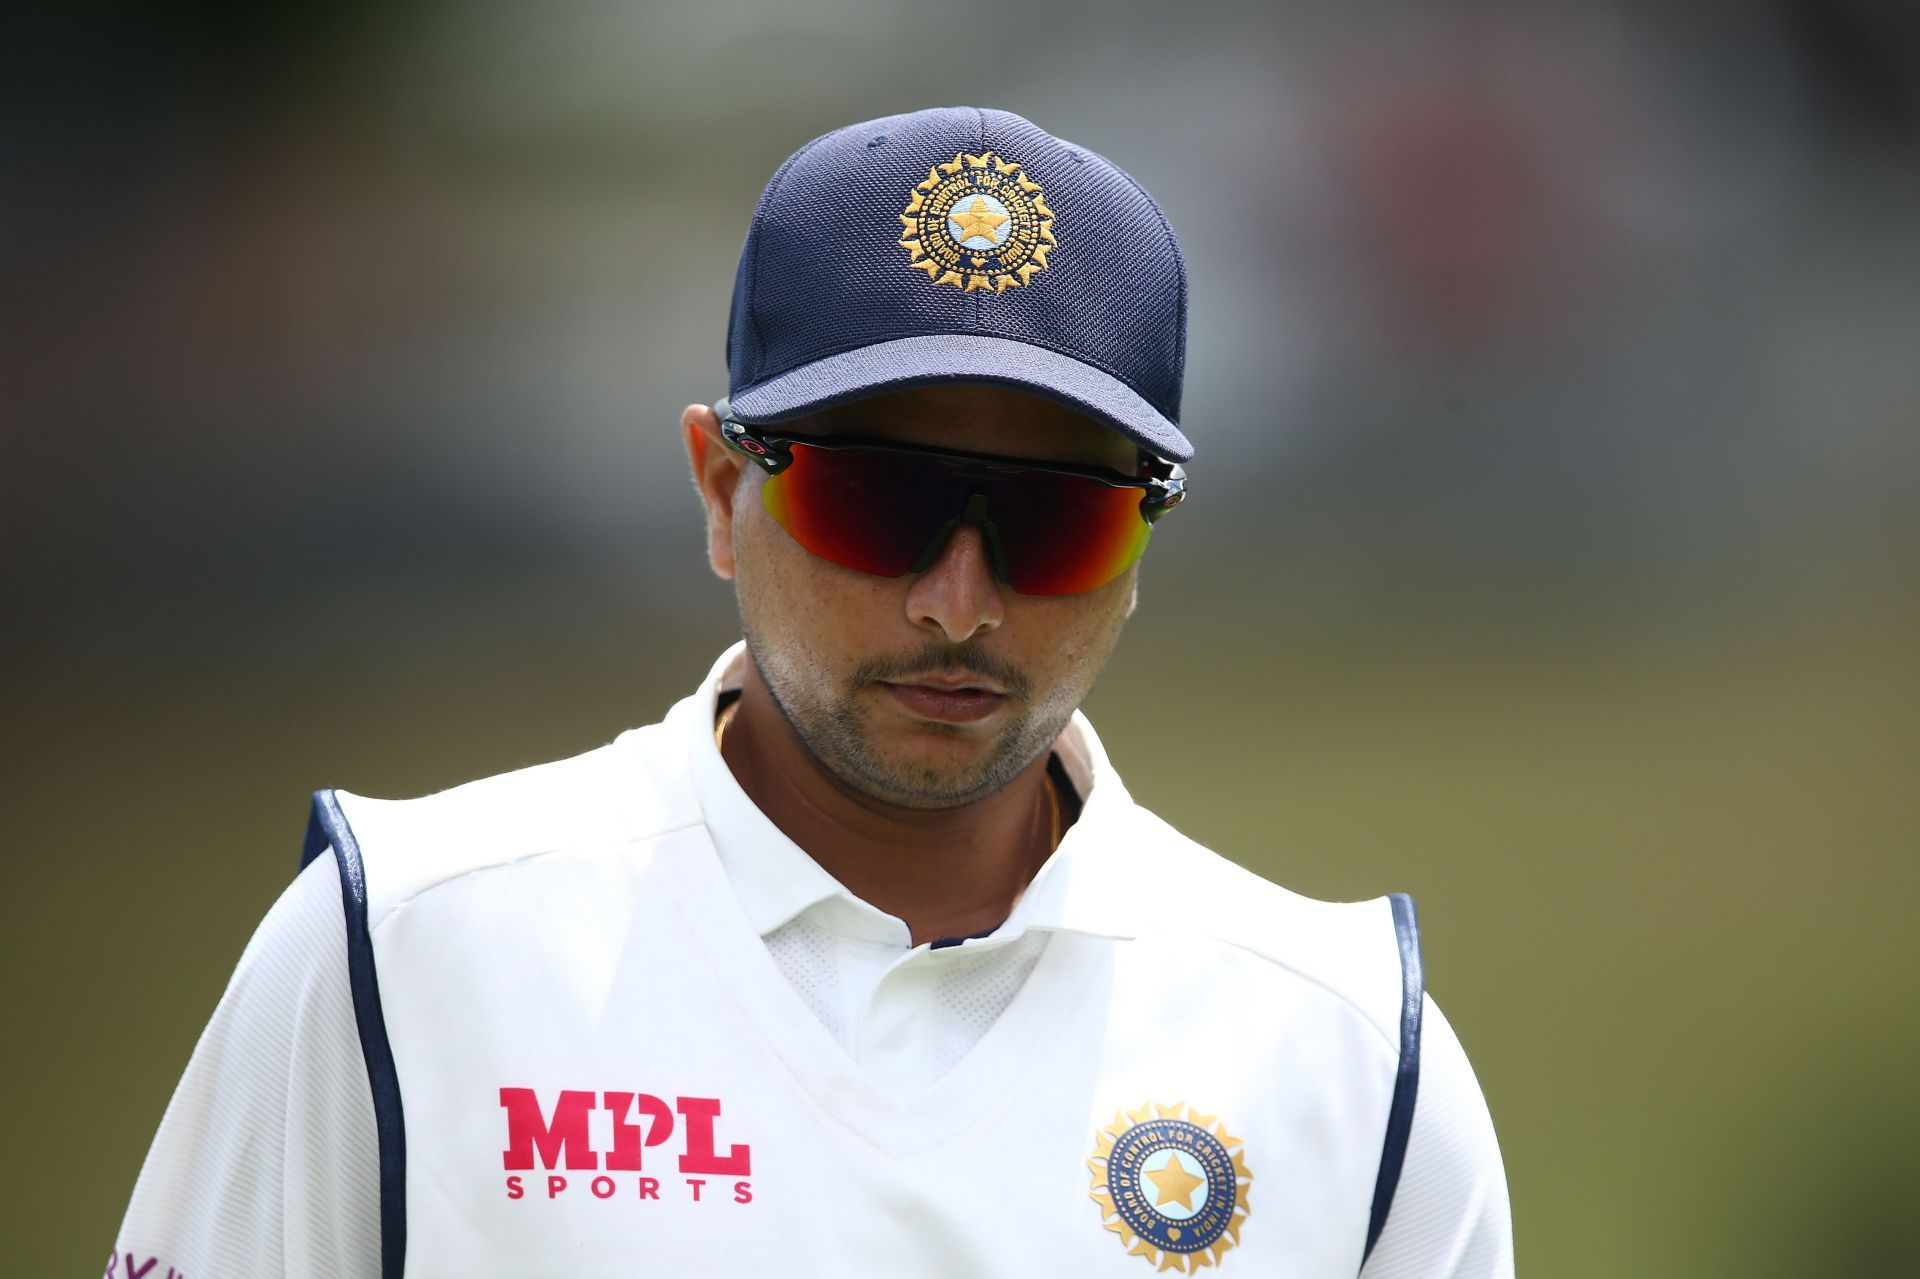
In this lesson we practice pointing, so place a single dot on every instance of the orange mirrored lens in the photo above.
(862, 510)
(1067, 535)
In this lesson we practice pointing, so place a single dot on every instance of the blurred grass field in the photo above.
(1664, 883)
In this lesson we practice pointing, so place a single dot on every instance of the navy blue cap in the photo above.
(960, 245)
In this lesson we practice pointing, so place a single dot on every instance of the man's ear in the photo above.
(716, 477)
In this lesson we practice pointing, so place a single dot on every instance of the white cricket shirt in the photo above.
(601, 1015)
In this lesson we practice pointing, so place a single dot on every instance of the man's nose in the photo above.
(958, 594)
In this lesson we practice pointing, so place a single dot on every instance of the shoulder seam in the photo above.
(394, 906)
(1389, 1040)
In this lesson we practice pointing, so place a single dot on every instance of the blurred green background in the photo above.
(1553, 557)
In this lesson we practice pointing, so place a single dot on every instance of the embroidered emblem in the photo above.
(1172, 1183)
(978, 222)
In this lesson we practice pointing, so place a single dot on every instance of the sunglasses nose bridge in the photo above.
(973, 512)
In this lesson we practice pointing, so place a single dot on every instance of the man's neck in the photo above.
(950, 872)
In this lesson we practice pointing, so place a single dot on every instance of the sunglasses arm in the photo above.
(1169, 487)
(773, 457)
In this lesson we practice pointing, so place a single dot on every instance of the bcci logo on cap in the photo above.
(978, 222)
(1172, 1183)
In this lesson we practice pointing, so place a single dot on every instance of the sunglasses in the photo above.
(887, 508)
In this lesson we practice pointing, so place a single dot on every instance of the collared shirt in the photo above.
(525, 922)
(906, 1014)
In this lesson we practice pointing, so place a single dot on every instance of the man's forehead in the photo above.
(976, 417)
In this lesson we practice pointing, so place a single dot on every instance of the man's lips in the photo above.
(949, 699)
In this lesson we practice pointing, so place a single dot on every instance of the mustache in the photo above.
(941, 656)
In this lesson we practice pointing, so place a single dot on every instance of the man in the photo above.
(862, 961)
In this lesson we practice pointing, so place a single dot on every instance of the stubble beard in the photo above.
(831, 721)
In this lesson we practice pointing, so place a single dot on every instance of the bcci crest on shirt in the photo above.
(978, 222)
(1172, 1183)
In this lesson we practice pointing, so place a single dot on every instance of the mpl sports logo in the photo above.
(593, 1145)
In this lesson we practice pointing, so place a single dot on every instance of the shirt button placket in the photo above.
(893, 1040)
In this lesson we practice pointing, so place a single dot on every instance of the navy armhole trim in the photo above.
(1406, 1084)
(328, 828)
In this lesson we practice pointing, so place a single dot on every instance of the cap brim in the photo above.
(918, 361)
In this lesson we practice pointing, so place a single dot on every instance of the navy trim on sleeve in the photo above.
(328, 828)
(1406, 1085)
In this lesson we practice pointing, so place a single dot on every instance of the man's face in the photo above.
(937, 688)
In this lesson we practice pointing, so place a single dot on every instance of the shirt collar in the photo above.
(1091, 884)
(771, 875)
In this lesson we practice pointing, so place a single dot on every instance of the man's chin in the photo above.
(908, 784)
(927, 774)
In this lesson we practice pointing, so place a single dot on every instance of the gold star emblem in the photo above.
(979, 220)
(1175, 1184)
(989, 201)
(1138, 1205)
